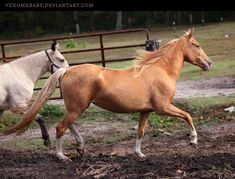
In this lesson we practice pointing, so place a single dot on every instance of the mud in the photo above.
(169, 155)
(206, 87)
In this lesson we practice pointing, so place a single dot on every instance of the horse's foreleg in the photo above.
(60, 130)
(140, 133)
(45, 135)
(79, 139)
(174, 111)
(1, 114)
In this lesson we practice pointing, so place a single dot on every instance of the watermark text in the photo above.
(50, 5)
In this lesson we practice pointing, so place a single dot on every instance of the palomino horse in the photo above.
(19, 77)
(148, 86)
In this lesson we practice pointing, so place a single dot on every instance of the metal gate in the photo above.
(102, 47)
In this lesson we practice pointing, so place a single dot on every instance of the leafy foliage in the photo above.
(70, 43)
(15, 25)
(52, 111)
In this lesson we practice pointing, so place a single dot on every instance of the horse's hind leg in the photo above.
(45, 135)
(174, 111)
(60, 130)
(140, 133)
(78, 138)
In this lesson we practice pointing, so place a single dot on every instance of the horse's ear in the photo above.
(189, 33)
(57, 46)
(53, 45)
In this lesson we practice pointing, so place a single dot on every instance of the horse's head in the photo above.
(194, 53)
(57, 59)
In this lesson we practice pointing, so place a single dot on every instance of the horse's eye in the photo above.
(196, 45)
(60, 59)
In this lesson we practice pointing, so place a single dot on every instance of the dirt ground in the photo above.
(110, 147)
(169, 154)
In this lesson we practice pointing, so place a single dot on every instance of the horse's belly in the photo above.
(122, 106)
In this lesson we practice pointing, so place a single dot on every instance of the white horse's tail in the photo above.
(40, 100)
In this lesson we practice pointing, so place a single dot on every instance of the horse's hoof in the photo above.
(81, 151)
(194, 145)
(141, 155)
(47, 142)
(64, 158)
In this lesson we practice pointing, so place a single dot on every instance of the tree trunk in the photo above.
(179, 17)
(190, 18)
(75, 17)
(202, 18)
(119, 20)
(167, 16)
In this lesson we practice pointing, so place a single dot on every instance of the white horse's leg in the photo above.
(79, 139)
(140, 133)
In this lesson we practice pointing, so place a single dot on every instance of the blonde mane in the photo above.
(144, 59)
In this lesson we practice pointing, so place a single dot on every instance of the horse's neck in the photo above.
(172, 62)
(34, 66)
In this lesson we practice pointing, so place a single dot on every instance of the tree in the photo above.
(75, 16)
(119, 20)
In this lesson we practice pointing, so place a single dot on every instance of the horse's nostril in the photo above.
(209, 61)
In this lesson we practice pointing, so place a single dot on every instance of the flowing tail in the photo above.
(40, 100)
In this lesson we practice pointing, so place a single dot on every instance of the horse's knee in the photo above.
(40, 120)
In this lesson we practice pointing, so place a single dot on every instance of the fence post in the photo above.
(102, 50)
(152, 45)
(3, 53)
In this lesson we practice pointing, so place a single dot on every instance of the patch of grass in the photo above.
(8, 120)
(161, 121)
(120, 65)
(205, 110)
(27, 144)
(206, 102)
(52, 113)
(32, 143)
(156, 120)
(70, 43)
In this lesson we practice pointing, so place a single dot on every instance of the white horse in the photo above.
(18, 79)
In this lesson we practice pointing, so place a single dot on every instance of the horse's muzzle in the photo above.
(207, 64)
